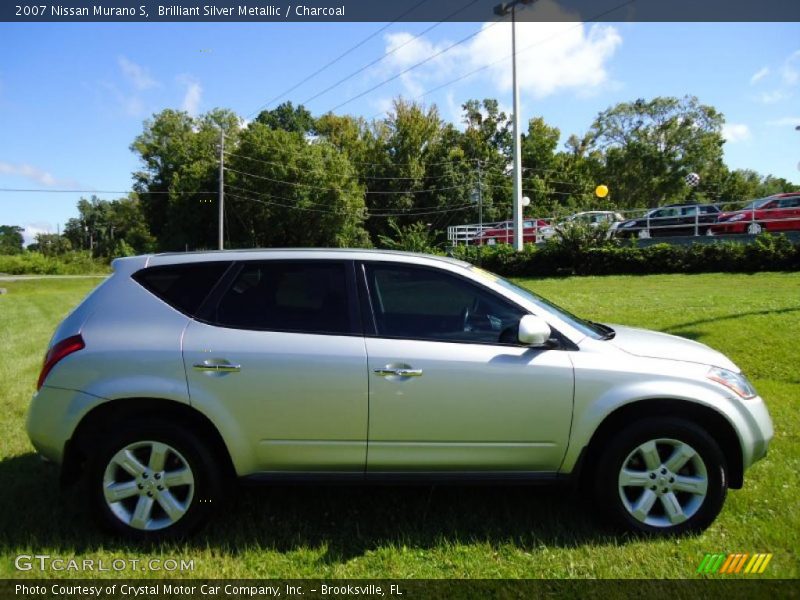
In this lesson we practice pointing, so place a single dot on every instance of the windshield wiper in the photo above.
(608, 333)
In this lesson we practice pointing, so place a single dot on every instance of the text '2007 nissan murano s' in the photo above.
(183, 371)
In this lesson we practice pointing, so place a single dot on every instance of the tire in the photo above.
(681, 500)
(644, 234)
(756, 228)
(165, 510)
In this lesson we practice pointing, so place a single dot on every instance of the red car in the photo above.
(503, 233)
(780, 212)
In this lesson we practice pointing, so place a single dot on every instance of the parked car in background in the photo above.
(671, 220)
(780, 212)
(592, 218)
(503, 233)
(182, 372)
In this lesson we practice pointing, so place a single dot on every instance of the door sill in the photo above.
(407, 477)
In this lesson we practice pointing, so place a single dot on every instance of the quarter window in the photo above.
(182, 286)
(296, 296)
(419, 303)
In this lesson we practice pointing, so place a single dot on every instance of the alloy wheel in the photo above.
(663, 482)
(148, 485)
(754, 228)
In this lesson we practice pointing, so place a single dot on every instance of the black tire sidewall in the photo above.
(204, 466)
(621, 445)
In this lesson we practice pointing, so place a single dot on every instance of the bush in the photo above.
(568, 257)
(34, 263)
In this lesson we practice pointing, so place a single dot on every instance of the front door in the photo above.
(449, 387)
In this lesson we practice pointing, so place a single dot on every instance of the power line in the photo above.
(46, 190)
(390, 52)
(337, 59)
(368, 215)
(414, 66)
(333, 189)
(368, 177)
(377, 211)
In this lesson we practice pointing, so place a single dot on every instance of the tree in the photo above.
(177, 185)
(396, 176)
(102, 225)
(11, 239)
(488, 140)
(285, 190)
(51, 244)
(288, 118)
(650, 146)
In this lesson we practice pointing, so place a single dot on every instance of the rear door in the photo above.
(280, 353)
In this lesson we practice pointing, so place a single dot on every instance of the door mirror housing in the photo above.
(533, 331)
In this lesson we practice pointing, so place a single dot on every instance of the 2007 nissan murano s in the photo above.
(183, 371)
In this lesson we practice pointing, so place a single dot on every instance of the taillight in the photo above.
(62, 349)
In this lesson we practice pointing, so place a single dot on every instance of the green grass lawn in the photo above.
(394, 532)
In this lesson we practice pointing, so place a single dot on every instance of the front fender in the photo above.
(590, 414)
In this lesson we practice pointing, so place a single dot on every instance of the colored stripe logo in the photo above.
(732, 564)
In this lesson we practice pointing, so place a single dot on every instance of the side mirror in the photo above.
(533, 331)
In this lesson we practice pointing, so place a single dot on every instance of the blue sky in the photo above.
(74, 96)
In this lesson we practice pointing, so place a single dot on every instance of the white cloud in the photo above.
(35, 174)
(772, 97)
(137, 75)
(193, 94)
(560, 58)
(736, 132)
(759, 75)
(784, 122)
(552, 57)
(34, 229)
(790, 72)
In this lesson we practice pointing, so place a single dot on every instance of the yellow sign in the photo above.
(601, 191)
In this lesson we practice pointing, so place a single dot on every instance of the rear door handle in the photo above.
(388, 372)
(217, 367)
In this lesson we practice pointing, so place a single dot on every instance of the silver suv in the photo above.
(183, 371)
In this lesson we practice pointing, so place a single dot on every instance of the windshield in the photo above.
(755, 204)
(593, 330)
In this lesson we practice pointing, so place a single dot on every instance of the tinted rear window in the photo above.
(295, 296)
(183, 287)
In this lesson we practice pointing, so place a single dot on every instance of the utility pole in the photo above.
(221, 243)
(501, 10)
(480, 198)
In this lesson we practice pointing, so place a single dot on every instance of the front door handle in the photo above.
(389, 372)
(217, 367)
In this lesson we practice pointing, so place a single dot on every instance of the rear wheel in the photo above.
(662, 477)
(152, 481)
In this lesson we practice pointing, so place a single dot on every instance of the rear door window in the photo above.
(293, 296)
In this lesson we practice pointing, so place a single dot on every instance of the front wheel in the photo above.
(153, 481)
(755, 228)
(662, 477)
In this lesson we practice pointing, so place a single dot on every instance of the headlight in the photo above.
(733, 381)
(628, 224)
(738, 217)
